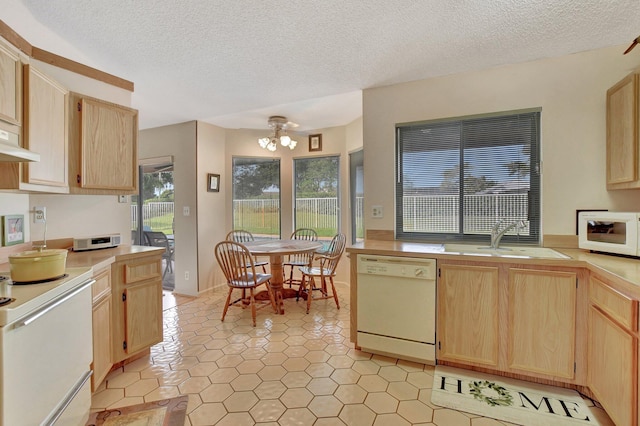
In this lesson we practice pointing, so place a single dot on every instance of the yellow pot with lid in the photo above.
(38, 265)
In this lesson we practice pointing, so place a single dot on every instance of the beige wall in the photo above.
(179, 141)
(571, 92)
(71, 216)
(211, 206)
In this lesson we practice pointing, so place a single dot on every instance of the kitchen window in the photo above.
(256, 196)
(457, 177)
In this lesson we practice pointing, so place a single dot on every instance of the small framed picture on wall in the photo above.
(213, 182)
(12, 229)
(315, 142)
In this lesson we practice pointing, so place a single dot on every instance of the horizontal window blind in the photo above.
(457, 178)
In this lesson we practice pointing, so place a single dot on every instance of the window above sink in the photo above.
(457, 177)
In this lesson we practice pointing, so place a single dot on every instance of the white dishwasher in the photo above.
(396, 308)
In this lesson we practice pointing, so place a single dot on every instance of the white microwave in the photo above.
(609, 232)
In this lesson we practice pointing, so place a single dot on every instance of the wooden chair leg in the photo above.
(310, 293)
(301, 288)
(335, 295)
(271, 298)
(291, 276)
(226, 305)
(253, 306)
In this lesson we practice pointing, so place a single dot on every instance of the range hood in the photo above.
(10, 150)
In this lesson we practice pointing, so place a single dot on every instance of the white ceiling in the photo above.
(233, 63)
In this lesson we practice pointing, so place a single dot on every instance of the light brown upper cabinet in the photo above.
(10, 86)
(44, 131)
(622, 134)
(103, 147)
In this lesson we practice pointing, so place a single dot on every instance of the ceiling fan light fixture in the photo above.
(279, 125)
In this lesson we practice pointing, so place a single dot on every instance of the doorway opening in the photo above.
(152, 213)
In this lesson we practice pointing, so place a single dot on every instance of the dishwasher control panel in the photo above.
(397, 266)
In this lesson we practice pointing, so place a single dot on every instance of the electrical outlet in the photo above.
(376, 211)
(40, 214)
(186, 275)
(122, 198)
(186, 211)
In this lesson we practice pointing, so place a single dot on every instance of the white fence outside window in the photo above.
(151, 214)
(428, 213)
(440, 213)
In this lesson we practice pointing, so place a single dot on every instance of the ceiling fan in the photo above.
(280, 125)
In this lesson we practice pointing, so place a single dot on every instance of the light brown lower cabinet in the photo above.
(613, 352)
(102, 363)
(468, 314)
(508, 318)
(137, 304)
(542, 322)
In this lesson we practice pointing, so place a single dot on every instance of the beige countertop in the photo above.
(622, 272)
(98, 259)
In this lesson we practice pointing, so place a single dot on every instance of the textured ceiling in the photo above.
(234, 63)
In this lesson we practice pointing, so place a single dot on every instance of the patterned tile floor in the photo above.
(292, 369)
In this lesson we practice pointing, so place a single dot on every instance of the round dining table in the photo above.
(276, 250)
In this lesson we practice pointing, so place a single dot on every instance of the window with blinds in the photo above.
(256, 196)
(456, 178)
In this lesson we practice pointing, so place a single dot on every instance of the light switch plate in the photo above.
(377, 212)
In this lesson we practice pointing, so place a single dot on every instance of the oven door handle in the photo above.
(56, 302)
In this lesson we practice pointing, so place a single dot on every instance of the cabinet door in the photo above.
(101, 341)
(10, 86)
(542, 322)
(143, 315)
(45, 129)
(611, 361)
(108, 146)
(622, 131)
(468, 314)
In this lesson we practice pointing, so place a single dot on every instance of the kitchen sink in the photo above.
(526, 252)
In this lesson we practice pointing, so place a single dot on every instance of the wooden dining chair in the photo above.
(294, 261)
(325, 271)
(242, 236)
(233, 259)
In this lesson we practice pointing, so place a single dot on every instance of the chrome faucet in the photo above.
(497, 234)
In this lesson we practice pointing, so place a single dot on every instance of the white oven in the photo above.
(46, 351)
(609, 232)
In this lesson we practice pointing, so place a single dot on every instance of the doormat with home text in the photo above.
(167, 412)
(507, 399)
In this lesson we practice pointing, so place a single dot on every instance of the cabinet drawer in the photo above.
(142, 269)
(618, 306)
(102, 285)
